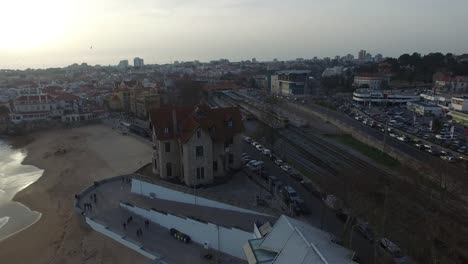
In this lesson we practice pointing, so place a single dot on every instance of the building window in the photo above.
(166, 130)
(215, 166)
(201, 173)
(198, 133)
(228, 142)
(169, 169)
(199, 151)
(230, 124)
(230, 158)
(167, 146)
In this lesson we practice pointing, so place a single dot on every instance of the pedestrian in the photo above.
(90, 207)
(131, 218)
(141, 232)
(124, 225)
(138, 233)
(146, 223)
(94, 196)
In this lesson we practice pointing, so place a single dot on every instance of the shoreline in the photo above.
(71, 159)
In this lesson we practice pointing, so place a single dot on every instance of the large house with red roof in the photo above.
(197, 144)
(32, 104)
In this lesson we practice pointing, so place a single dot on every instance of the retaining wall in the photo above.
(227, 240)
(159, 192)
(104, 229)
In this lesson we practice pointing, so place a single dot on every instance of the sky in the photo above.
(55, 33)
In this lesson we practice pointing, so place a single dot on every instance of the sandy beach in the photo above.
(72, 159)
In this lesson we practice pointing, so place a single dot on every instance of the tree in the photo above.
(190, 91)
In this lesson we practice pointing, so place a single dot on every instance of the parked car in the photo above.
(248, 140)
(279, 162)
(266, 152)
(259, 147)
(392, 251)
(364, 229)
(296, 176)
(286, 168)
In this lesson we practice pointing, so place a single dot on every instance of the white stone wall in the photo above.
(227, 240)
(173, 156)
(103, 229)
(159, 192)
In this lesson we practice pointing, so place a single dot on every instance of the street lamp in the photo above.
(194, 191)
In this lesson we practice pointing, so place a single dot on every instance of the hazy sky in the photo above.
(47, 33)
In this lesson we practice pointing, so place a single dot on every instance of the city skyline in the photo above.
(104, 32)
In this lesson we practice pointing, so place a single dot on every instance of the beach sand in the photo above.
(90, 153)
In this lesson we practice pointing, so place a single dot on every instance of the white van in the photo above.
(267, 152)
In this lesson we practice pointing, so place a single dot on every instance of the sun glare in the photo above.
(31, 24)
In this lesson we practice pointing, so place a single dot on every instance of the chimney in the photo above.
(174, 121)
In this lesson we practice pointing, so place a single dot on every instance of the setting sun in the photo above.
(29, 24)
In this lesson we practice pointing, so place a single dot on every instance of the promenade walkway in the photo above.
(156, 239)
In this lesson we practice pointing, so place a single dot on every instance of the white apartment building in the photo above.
(30, 107)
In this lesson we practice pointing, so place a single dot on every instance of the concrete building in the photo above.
(424, 109)
(371, 81)
(291, 241)
(196, 145)
(460, 103)
(138, 62)
(362, 55)
(123, 64)
(294, 82)
(378, 58)
(366, 96)
(446, 83)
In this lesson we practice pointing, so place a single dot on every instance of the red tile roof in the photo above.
(188, 119)
(67, 97)
(369, 75)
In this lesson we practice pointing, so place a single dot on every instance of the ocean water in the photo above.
(14, 177)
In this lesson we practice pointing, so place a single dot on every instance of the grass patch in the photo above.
(371, 152)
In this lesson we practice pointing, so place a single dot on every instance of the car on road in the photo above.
(259, 147)
(254, 143)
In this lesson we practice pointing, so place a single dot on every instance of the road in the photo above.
(321, 216)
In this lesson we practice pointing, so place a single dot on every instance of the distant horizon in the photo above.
(130, 60)
(56, 33)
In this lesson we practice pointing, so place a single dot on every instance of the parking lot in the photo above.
(442, 138)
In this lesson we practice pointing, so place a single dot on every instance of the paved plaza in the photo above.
(156, 239)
